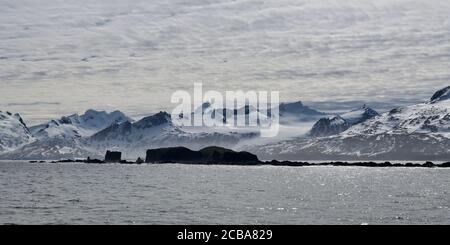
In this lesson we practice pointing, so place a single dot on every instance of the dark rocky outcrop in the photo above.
(94, 161)
(126, 162)
(173, 155)
(34, 161)
(217, 155)
(209, 155)
(88, 160)
(113, 156)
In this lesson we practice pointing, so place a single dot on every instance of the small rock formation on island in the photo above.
(139, 161)
(209, 155)
(113, 156)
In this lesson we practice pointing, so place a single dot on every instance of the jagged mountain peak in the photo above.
(157, 119)
(18, 117)
(441, 95)
(360, 115)
(415, 132)
(150, 125)
(13, 132)
(338, 124)
(329, 126)
(78, 126)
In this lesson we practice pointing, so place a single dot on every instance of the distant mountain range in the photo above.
(64, 137)
(416, 132)
(94, 132)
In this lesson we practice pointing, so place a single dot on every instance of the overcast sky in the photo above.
(60, 57)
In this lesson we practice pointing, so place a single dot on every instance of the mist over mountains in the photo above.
(414, 132)
(94, 132)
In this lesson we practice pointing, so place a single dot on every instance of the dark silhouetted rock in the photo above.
(219, 155)
(209, 155)
(113, 156)
(139, 161)
(94, 161)
(173, 155)
(126, 162)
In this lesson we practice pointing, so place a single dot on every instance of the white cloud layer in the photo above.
(58, 57)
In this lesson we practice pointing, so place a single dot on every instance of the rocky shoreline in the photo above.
(222, 156)
(278, 163)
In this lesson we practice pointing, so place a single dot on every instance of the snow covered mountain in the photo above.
(340, 123)
(77, 126)
(432, 117)
(158, 131)
(64, 138)
(416, 132)
(14, 133)
(329, 126)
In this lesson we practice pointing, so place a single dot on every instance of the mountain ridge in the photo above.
(415, 132)
(404, 133)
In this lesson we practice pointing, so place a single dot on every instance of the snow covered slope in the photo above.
(340, 123)
(329, 126)
(416, 132)
(52, 149)
(77, 126)
(432, 117)
(14, 133)
(65, 137)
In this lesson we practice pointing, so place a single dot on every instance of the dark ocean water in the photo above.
(182, 194)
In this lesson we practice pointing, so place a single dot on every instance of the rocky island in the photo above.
(208, 155)
(215, 155)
